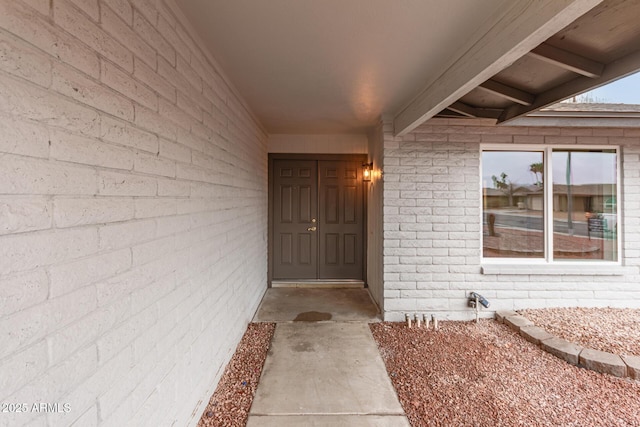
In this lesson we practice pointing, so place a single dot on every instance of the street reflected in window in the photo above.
(585, 222)
(581, 209)
(513, 204)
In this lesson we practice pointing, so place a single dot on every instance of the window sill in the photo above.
(578, 270)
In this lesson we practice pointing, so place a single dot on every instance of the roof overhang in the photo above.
(337, 67)
(570, 114)
(601, 46)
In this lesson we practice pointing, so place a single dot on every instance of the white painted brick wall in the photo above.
(133, 213)
(124, 133)
(432, 240)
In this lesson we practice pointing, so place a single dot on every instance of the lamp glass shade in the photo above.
(366, 172)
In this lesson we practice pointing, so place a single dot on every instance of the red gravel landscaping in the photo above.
(614, 330)
(230, 404)
(516, 243)
(468, 374)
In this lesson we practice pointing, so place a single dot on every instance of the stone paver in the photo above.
(604, 362)
(563, 349)
(516, 322)
(633, 366)
(502, 314)
(595, 360)
(534, 334)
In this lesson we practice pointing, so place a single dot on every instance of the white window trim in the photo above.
(575, 269)
(548, 265)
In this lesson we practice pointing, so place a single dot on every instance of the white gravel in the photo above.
(615, 330)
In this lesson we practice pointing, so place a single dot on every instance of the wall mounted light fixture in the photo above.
(367, 171)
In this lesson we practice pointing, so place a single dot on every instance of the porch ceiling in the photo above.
(335, 66)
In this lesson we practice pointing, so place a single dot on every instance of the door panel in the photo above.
(286, 204)
(295, 252)
(286, 249)
(305, 205)
(351, 203)
(331, 204)
(350, 249)
(341, 227)
(307, 251)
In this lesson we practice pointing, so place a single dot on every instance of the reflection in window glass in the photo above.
(584, 205)
(513, 204)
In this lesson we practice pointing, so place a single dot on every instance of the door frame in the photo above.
(315, 157)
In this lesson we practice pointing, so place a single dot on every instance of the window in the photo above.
(550, 204)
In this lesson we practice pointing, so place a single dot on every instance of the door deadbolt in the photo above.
(313, 220)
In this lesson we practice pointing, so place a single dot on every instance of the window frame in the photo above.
(547, 152)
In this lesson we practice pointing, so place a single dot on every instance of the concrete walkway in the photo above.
(326, 373)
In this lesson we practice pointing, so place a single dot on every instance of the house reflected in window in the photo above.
(579, 206)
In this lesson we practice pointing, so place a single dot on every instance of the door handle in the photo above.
(312, 229)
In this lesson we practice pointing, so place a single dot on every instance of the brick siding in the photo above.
(432, 244)
(133, 213)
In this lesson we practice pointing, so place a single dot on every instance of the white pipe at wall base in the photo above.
(477, 309)
(408, 320)
(435, 322)
(417, 320)
(426, 321)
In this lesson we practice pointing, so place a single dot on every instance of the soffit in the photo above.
(327, 66)
(335, 66)
(599, 47)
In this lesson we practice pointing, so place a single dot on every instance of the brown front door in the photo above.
(318, 220)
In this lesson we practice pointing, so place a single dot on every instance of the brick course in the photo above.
(133, 213)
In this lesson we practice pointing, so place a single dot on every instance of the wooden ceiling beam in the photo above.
(460, 109)
(449, 114)
(618, 69)
(512, 94)
(521, 27)
(568, 60)
(463, 109)
(489, 113)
